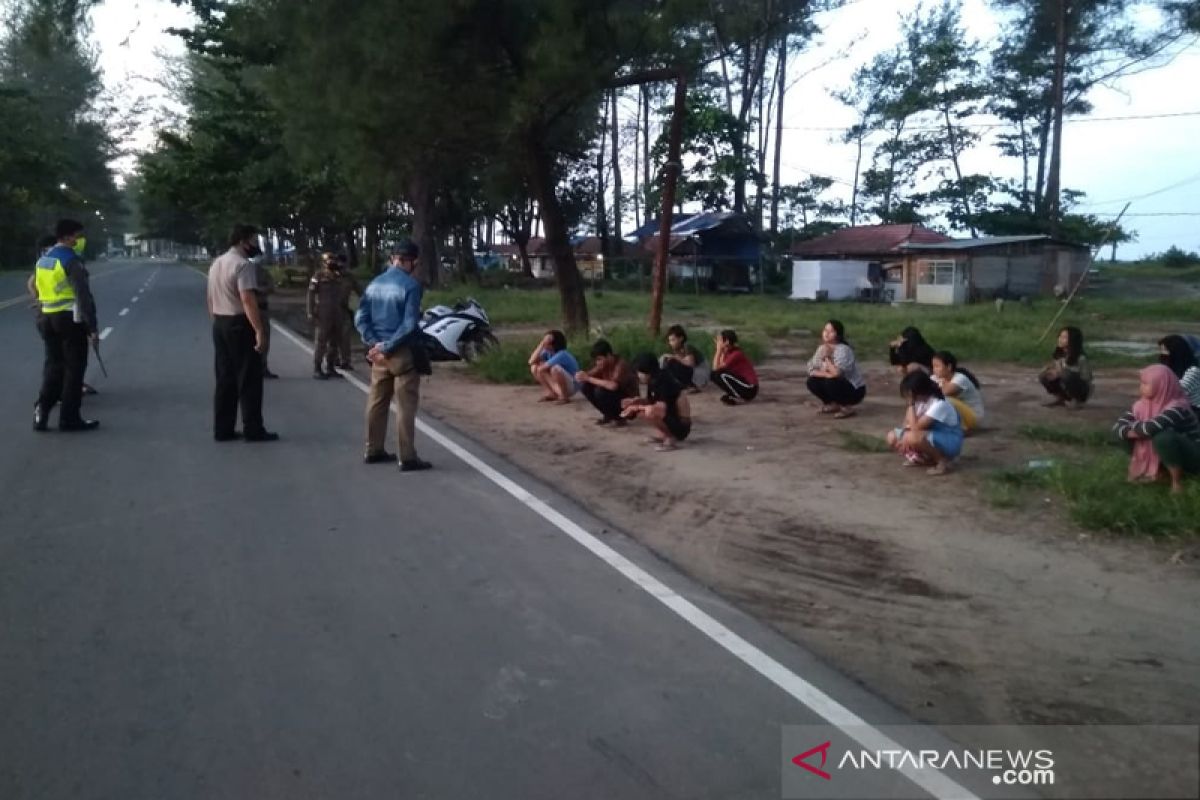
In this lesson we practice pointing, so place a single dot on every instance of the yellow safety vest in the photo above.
(54, 289)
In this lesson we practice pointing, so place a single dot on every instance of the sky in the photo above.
(1148, 157)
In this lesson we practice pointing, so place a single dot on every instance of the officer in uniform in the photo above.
(328, 297)
(350, 285)
(68, 322)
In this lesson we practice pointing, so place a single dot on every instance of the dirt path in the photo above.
(955, 611)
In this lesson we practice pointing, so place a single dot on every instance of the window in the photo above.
(939, 273)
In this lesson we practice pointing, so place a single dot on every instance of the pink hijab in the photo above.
(1166, 393)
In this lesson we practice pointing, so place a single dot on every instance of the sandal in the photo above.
(666, 447)
(826, 409)
(845, 413)
(547, 398)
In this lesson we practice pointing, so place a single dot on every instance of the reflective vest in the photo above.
(54, 289)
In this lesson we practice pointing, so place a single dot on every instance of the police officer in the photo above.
(350, 285)
(238, 340)
(39, 319)
(326, 306)
(69, 320)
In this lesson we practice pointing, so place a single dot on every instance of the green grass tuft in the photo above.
(857, 442)
(1081, 437)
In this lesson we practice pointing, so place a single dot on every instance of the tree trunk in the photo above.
(372, 245)
(601, 189)
(523, 250)
(558, 238)
(1024, 165)
(646, 156)
(352, 247)
(671, 179)
(616, 169)
(467, 268)
(964, 196)
(775, 168)
(1057, 90)
(862, 134)
(1039, 189)
(420, 197)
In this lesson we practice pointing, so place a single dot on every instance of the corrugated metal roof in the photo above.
(868, 240)
(971, 244)
(688, 224)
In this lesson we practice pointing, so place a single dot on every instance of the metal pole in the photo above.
(1091, 260)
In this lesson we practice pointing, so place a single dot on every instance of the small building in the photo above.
(588, 258)
(879, 247)
(719, 249)
(925, 266)
(966, 270)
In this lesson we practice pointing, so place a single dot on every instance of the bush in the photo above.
(1176, 258)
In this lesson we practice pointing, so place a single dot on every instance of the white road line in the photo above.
(104, 333)
(134, 299)
(123, 312)
(833, 712)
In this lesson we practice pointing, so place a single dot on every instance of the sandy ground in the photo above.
(957, 612)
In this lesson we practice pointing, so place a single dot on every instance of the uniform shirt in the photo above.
(77, 276)
(231, 274)
(328, 294)
(390, 309)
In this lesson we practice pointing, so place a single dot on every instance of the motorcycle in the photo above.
(458, 333)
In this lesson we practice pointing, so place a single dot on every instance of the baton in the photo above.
(99, 358)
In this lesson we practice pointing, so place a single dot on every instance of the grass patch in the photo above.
(1151, 271)
(1080, 437)
(1098, 497)
(1009, 488)
(857, 442)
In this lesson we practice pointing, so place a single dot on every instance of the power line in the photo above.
(992, 125)
(1172, 187)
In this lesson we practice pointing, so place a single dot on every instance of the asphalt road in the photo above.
(186, 619)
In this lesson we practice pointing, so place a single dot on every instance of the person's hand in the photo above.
(626, 402)
(582, 377)
(95, 337)
(260, 342)
(1131, 435)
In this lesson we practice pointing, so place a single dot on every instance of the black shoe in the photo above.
(265, 436)
(87, 389)
(79, 425)
(379, 458)
(268, 374)
(333, 374)
(227, 437)
(347, 365)
(416, 465)
(321, 376)
(620, 423)
(41, 420)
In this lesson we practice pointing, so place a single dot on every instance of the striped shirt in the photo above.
(1177, 418)
(843, 359)
(1191, 385)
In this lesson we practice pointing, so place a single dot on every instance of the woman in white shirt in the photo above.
(932, 432)
(960, 387)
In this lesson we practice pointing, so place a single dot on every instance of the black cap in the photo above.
(407, 249)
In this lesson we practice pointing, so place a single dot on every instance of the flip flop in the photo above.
(666, 447)
(845, 414)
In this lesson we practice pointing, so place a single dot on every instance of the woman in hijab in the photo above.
(1176, 353)
(1161, 430)
(910, 352)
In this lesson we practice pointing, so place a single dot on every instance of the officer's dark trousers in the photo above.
(66, 361)
(328, 342)
(239, 377)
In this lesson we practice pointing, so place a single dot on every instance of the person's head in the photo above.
(912, 335)
(1176, 353)
(69, 233)
(556, 340)
(405, 256)
(944, 364)
(245, 239)
(329, 261)
(676, 337)
(918, 386)
(1070, 341)
(834, 332)
(1160, 386)
(46, 242)
(729, 337)
(602, 353)
(646, 366)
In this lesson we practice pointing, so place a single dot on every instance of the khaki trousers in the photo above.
(394, 376)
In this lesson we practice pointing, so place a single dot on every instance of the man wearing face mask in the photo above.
(69, 322)
(239, 339)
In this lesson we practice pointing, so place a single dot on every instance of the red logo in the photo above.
(823, 749)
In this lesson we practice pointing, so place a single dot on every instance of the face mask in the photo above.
(79, 246)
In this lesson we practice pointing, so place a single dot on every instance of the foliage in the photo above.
(1177, 258)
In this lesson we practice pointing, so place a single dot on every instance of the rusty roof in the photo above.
(868, 240)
